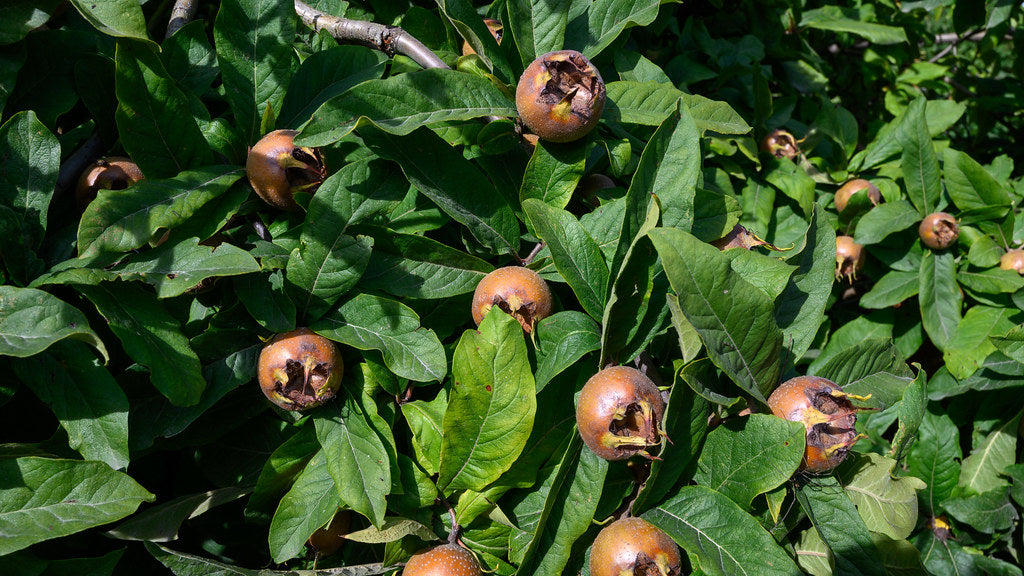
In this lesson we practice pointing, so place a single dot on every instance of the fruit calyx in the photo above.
(619, 413)
(780, 144)
(300, 369)
(828, 415)
(938, 230)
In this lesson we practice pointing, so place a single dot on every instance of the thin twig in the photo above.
(182, 13)
(86, 154)
(390, 40)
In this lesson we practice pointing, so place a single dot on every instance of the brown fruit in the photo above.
(738, 237)
(633, 546)
(113, 173)
(300, 369)
(850, 258)
(619, 413)
(443, 560)
(496, 30)
(519, 291)
(938, 230)
(1013, 260)
(780, 144)
(852, 187)
(328, 539)
(277, 169)
(826, 413)
(560, 96)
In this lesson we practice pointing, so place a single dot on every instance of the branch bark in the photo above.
(390, 40)
(182, 13)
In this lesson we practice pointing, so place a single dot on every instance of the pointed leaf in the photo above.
(29, 162)
(176, 268)
(311, 503)
(161, 523)
(325, 75)
(920, 163)
(32, 320)
(940, 297)
(491, 405)
(670, 168)
(800, 309)
(537, 26)
(419, 267)
(983, 470)
(562, 339)
(553, 172)
(114, 17)
(888, 505)
(42, 499)
(605, 21)
(735, 319)
(969, 185)
(841, 527)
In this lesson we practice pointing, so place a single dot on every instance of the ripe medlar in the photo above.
(780, 144)
(113, 173)
(850, 258)
(443, 560)
(634, 546)
(277, 169)
(938, 230)
(519, 291)
(1013, 260)
(826, 413)
(300, 369)
(619, 413)
(560, 96)
(496, 30)
(328, 539)
(853, 187)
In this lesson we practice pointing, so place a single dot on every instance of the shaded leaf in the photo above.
(32, 320)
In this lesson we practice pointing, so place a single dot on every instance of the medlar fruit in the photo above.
(780, 144)
(938, 230)
(277, 169)
(850, 258)
(519, 291)
(328, 539)
(113, 173)
(738, 237)
(826, 413)
(496, 30)
(619, 413)
(300, 369)
(1013, 260)
(634, 546)
(853, 187)
(560, 96)
(443, 560)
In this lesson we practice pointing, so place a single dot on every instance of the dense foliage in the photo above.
(135, 436)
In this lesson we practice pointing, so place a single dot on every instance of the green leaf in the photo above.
(887, 505)
(553, 172)
(605, 21)
(467, 22)
(84, 397)
(920, 164)
(940, 297)
(310, 503)
(885, 219)
(263, 295)
(153, 116)
(748, 456)
(42, 499)
(911, 413)
(122, 220)
(841, 527)
(415, 266)
(176, 268)
(969, 185)
(800, 309)
(325, 75)
(793, 181)
(991, 512)
(537, 26)
(735, 319)
(569, 513)
(670, 168)
(575, 254)
(649, 103)
(425, 420)
(453, 183)
(401, 104)
(891, 289)
(562, 339)
(254, 50)
(373, 323)
(982, 471)
(151, 337)
(326, 265)
(114, 17)
(837, 19)
(29, 162)
(184, 564)
(161, 523)
(935, 458)
(971, 343)
(19, 17)
(872, 366)
(491, 405)
(391, 530)
(189, 58)
(353, 451)
(32, 320)
(279, 473)
(721, 538)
